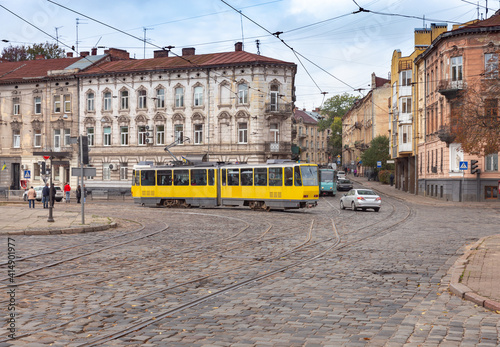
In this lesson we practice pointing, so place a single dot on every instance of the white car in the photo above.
(38, 189)
(362, 199)
(340, 174)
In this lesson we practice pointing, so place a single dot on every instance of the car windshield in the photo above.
(345, 181)
(366, 192)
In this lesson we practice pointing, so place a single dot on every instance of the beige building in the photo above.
(365, 120)
(311, 143)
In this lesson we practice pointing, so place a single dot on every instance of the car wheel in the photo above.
(25, 197)
(364, 209)
(342, 205)
(58, 200)
(353, 206)
(376, 209)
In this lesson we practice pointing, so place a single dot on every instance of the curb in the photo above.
(461, 290)
(74, 230)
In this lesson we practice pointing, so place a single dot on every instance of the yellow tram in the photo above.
(286, 185)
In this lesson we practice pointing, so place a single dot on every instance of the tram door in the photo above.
(219, 180)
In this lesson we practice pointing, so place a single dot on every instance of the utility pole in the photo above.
(145, 29)
(78, 21)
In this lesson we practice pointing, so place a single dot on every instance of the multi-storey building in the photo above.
(364, 121)
(38, 113)
(404, 132)
(313, 144)
(233, 106)
(456, 61)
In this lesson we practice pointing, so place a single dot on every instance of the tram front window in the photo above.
(309, 175)
(326, 176)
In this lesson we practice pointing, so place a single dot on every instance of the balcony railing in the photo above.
(450, 89)
(280, 108)
(278, 147)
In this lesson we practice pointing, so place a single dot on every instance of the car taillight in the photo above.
(361, 198)
(378, 198)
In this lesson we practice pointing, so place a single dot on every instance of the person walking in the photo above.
(53, 194)
(45, 196)
(67, 190)
(391, 178)
(84, 194)
(78, 194)
(31, 197)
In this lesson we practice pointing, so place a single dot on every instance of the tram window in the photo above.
(289, 176)
(199, 177)
(164, 177)
(224, 177)
(211, 177)
(233, 177)
(298, 180)
(275, 176)
(309, 175)
(136, 178)
(148, 178)
(260, 176)
(246, 177)
(181, 177)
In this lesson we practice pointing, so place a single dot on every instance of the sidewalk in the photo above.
(18, 219)
(475, 276)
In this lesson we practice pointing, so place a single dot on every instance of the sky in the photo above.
(335, 50)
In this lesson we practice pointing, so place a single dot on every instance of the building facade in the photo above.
(312, 143)
(456, 61)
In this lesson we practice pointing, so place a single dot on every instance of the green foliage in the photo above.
(335, 141)
(378, 151)
(334, 107)
(20, 53)
(384, 176)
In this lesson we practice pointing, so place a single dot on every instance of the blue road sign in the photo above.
(27, 174)
(464, 165)
(379, 164)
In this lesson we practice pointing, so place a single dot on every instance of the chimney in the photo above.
(238, 46)
(69, 54)
(94, 51)
(117, 54)
(84, 54)
(39, 57)
(187, 51)
(161, 53)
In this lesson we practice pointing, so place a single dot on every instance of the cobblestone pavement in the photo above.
(385, 284)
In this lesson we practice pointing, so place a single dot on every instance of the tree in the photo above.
(335, 140)
(20, 53)
(475, 121)
(378, 151)
(336, 106)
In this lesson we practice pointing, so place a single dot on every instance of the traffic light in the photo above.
(85, 149)
(44, 171)
(474, 167)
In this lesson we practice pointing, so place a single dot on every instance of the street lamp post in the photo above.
(51, 218)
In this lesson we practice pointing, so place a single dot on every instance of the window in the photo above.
(160, 98)
(160, 134)
(491, 65)
(246, 177)
(198, 96)
(275, 133)
(211, 177)
(67, 103)
(57, 103)
(107, 136)
(124, 135)
(406, 105)
(38, 104)
(143, 136)
(142, 98)
(164, 177)
(274, 98)
(67, 135)
(124, 100)
(199, 177)
(491, 110)
(90, 136)
(38, 138)
(405, 78)
(16, 106)
(57, 138)
(179, 133)
(179, 97)
(492, 162)
(181, 177)
(225, 94)
(16, 137)
(490, 192)
(275, 176)
(90, 102)
(242, 133)
(260, 176)
(107, 101)
(289, 176)
(198, 134)
(243, 93)
(309, 175)
(233, 177)
(106, 172)
(456, 68)
(123, 171)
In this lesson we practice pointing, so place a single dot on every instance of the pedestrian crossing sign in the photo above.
(464, 165)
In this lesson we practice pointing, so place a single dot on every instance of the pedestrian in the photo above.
(45, 196)
(391, 178)
(31, 197)
(67, 190)
(78, 194)
(84, 194)
(52, 195)
(355, 173)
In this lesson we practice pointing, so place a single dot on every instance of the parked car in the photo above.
(38, 189)
(361, 198)
(340, 174)
(344, 184)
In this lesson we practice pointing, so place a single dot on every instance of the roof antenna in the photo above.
(242, 36)
(257, 42)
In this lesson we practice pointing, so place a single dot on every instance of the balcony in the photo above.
(281, 109)
(278, 147)
(450, 89)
